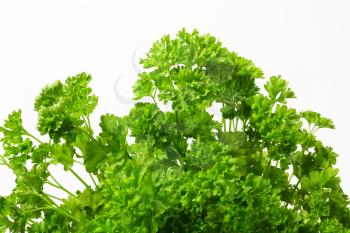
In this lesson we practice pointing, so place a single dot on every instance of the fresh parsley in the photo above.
(260, 169)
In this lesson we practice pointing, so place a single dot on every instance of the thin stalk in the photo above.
(76, 161)
(54, 197)
(261, 153)
(236, 125)
(293, 191)
(268, 165)
(78, 155)
(60, 185)
(153, 96)
(51, 202)
(4, 162)
(93, 180)
(58, 209)
(290, 177)
(292, 174)
(47, 200)
(229, 125)
(86, 123)
(223, 123)
(32, 136)
(42, 208)
(89, 124)
(313, 129)
(79, 178)
(223, 120)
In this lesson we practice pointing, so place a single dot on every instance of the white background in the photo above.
(307, 42)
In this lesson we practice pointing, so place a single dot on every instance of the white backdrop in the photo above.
(307, 42)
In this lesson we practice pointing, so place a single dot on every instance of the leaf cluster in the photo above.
(260, 169)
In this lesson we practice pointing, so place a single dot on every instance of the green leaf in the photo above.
(95, 156)
(318, 180)
(316, 119)
(278, 89)
(62, 154)
(61, 107)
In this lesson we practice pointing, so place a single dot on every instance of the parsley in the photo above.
(185, 172)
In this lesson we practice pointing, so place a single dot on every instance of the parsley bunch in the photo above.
(260, 169)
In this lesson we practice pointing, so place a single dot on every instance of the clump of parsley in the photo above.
(261, 169)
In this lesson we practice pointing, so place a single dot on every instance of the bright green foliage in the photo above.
(260, 169)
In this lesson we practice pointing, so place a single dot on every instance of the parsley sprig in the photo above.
(260, 169)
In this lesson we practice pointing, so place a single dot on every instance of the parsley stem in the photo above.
(54, 197)
(93, 179)
(41, 208)
(267, 167)
(314, 129)
(260, 157)
(236, 125)
(76, 161)
(32, 136)
(58, 209)
(4, 162)
(87, 124)
(290, 177)
(79, 178)
(88, 121)
(295, 187)
(44, 197)
(60, 187)
(153, 96)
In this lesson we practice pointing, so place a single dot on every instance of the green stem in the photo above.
(4, 162)
(41, 208)
(32, 136)
(267, 167)
(236, 125)
(290, 177)
(87, 124)
(229, 125)
(153, 96)
(293, 191)
(47, 200)
(93, 180)
(53, 204)
(261, 153)
(54, 197)
(60, 187)
(79, 178)
(313, 129)
(76, 161)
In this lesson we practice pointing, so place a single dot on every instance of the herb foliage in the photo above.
(261, 169)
